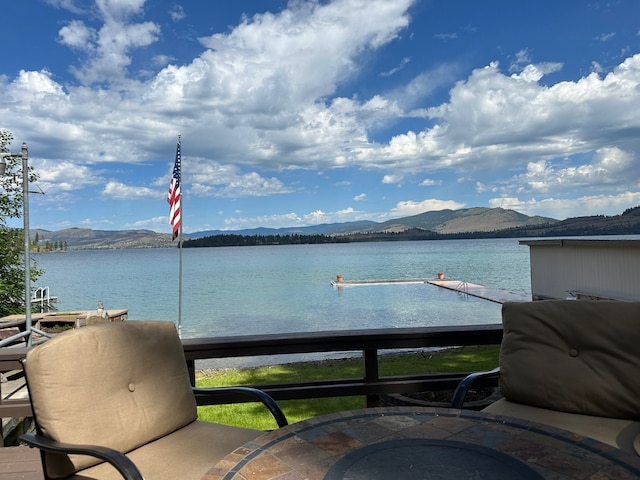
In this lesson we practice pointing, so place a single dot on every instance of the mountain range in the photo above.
(474, 222)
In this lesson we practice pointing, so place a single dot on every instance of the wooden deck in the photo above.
(20, 463)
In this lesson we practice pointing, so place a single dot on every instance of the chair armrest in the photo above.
(463, 387)
(118, 460)
(212, 396)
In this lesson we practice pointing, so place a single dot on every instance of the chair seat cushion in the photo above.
(185, 454)
(619, 433)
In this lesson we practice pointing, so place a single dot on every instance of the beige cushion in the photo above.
(572, 356)
(186, 454)
(616, 432)
(119, 385)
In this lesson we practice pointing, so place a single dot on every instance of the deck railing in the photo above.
(369, 342)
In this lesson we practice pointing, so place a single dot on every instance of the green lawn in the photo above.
(254, 415)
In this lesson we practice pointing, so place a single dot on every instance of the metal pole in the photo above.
(180, 246)
(27, 241)
(180, 277)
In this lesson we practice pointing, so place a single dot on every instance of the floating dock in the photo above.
(357, 283)
(487, 293)
(480, 291)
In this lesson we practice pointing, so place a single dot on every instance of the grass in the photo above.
(254, 415)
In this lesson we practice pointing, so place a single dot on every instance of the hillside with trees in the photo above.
(476, 222)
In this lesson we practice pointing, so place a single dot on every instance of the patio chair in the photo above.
(571, 364)
(114, 401)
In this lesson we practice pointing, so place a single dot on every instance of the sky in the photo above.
(296, 113)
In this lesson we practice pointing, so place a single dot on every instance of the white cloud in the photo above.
(119, 191)
(361, 197)
(270, 221)
(391, 179)
(56, 177)
(523, 56)
(177, 13)
(409, 207)
(561, 208)
(149, 223)
(493, 122)
(394, 70)
(77, 35)
(605, 37)
(446, 36)
(609, 167)
(292, 219)
(210, 179)
(109, 47)
(428, 182)
(73, 6)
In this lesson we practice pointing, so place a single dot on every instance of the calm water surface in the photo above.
(275, 289)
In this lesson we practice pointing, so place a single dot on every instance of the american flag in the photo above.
(175, 197)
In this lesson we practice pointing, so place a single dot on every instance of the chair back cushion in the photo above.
(574, 356)
(118, 385)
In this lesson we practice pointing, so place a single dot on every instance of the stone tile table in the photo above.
(419, 443)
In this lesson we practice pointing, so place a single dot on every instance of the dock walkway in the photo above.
(487, 293)
(480, 291)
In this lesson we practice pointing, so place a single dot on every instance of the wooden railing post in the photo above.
(371, 374)
(191, 367)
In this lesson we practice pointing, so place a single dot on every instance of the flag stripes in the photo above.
(175, 196)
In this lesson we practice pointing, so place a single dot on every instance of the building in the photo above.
(585, 268)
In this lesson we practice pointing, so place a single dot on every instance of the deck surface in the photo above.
(20, 463)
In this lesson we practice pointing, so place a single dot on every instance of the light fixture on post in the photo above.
(24, 154)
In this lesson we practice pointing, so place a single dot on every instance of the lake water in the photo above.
(275, 289)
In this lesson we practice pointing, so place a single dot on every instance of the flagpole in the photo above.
(180, 254)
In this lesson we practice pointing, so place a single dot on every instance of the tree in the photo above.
(12, 239)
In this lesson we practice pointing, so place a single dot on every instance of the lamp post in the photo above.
(24, 154)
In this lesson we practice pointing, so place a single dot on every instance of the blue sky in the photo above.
(305, 112)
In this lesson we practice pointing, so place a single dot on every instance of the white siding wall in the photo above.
(608, 268)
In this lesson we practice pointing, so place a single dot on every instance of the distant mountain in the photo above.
(78, 238)
(466, 220)
(470, 223)
(477, 219)
(322, 229)
(628, 223)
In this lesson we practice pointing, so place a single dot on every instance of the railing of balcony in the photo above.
(370, 342)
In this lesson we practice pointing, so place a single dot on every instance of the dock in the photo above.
(486, 293)
(497, 295)
(356, 283)
(13, 324)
